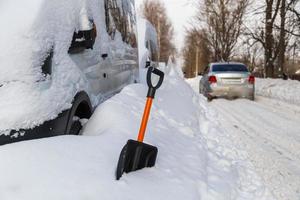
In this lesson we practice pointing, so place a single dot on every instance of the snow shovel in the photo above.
(136, 155)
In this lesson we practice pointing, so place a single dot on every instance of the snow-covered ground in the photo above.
(268, 130)
(285, 90)
(197, 159)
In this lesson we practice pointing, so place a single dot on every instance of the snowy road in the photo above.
(269, 131)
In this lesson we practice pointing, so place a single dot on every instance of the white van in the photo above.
(148, 44)
(60, 59)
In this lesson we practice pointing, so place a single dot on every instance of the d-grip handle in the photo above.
(152, 89)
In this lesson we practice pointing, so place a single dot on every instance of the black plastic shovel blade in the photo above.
(134, 156)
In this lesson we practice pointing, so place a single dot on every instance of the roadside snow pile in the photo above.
(194, 82)
(83, 167)
(285, 90)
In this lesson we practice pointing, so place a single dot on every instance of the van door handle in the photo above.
(104, 56)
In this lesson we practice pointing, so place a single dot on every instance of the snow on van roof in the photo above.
(27, 35)
(29, 30)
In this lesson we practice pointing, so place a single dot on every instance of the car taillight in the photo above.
(212, 79)
(251, 79)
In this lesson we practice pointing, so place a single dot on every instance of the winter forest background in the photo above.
(264, 34)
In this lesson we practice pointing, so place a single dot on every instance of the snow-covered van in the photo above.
(60, 59)
(148, 44)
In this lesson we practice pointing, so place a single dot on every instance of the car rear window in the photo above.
(229, 68)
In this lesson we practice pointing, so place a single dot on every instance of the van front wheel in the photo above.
(81, 109)
(75, 127)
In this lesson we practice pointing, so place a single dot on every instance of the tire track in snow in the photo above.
(228, 163)
(270, 134)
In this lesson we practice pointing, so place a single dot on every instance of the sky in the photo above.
(180, 13)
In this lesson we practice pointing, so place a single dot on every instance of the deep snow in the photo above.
(284, 90)
(196, 159)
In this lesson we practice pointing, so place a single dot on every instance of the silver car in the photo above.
(229, 80)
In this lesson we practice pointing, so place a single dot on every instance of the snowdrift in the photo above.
(196, 160)
(285, 90)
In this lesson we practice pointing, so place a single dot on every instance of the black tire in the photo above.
(75, 128)
(81, 108)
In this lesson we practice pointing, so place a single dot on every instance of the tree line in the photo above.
(265, 35)
(155, 12)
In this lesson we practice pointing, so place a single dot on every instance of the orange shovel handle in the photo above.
(145, 119)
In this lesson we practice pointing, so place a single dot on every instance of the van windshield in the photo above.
(230, 68)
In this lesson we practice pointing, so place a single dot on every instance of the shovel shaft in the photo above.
(145, 119)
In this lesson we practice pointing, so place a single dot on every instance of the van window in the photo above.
(230, 68)
(112, 17)
(121, 18)
(83, 39)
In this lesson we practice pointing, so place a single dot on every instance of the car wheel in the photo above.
(81, 109)
(75, 127)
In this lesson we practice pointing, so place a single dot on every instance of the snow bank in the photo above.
(83, 167)
(195, 160)
(285, 90)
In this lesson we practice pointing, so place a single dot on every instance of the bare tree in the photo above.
(223, 23)
(294, 8)
(155, 12)
(196, 53)
(280, 25)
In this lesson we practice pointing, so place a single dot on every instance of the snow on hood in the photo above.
(16, 43)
